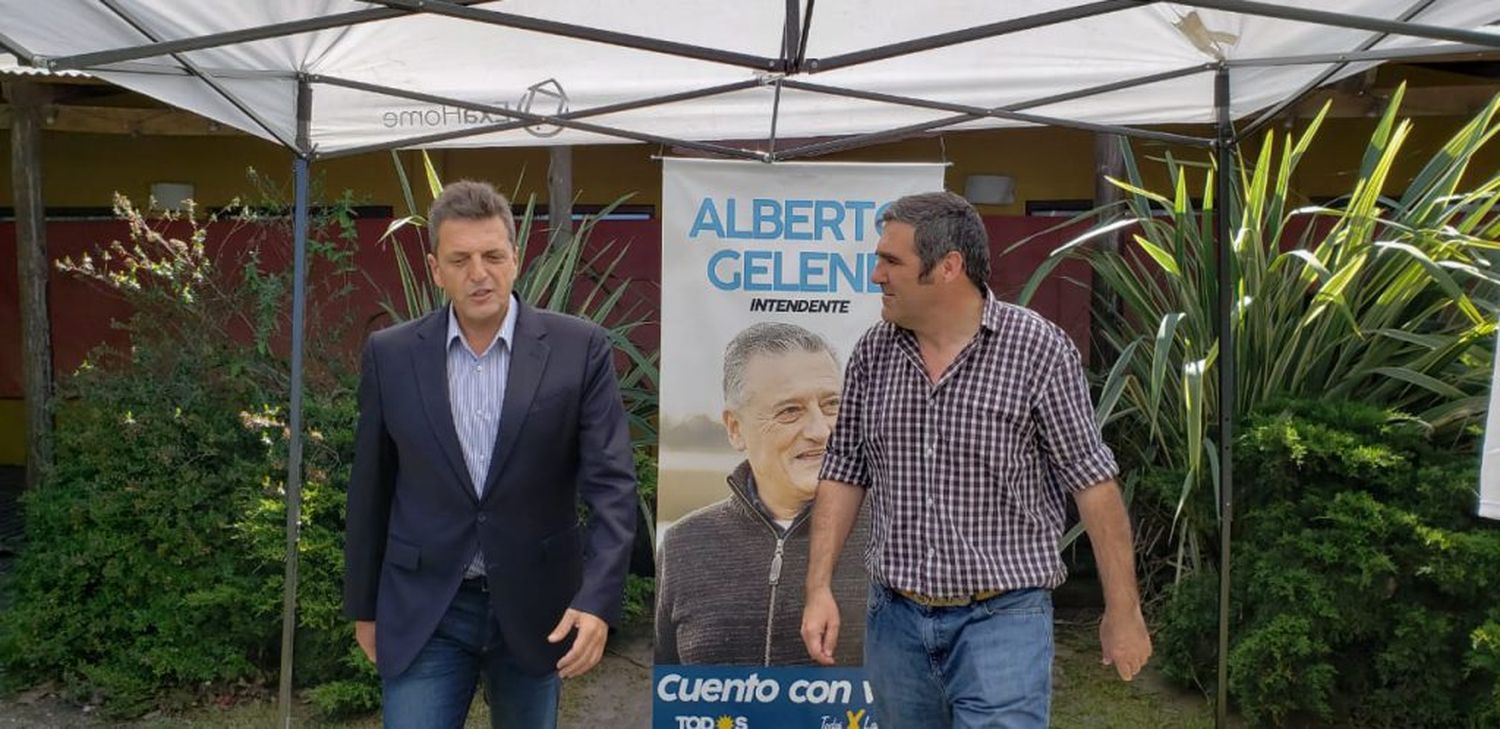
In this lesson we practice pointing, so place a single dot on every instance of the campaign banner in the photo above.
(1489, 469)
(698, 697)
(765, 290)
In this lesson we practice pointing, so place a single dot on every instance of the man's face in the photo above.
(475, 263)
(790, 403)
(906, 295)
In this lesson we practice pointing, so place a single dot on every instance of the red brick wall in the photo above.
(82, 312)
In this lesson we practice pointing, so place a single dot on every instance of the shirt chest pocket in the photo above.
(990, 428)
(963, 427)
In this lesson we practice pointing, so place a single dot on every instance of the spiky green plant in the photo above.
(1390, 300)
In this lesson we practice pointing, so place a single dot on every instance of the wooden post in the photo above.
(560, 194)
(1109, 161)
(27, 99)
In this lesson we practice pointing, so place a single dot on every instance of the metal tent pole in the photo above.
(294, 423)
(1223, 188)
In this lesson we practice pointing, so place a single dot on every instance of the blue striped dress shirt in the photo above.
(476, 392)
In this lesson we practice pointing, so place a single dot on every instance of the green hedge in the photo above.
(1364, 588)
(154, 553)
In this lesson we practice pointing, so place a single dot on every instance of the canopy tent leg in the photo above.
(294, 422)
(1223, 150)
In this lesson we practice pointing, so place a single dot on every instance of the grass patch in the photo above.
(1088, 695)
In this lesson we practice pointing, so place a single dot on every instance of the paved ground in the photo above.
(618, 692)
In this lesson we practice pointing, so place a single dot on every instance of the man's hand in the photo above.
(1124, 640)
(820, 625)
(587, 648)
(364, 633)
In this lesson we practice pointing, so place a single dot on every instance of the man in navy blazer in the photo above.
(480, 427)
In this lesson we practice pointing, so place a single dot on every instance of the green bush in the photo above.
(1186, 641)
(156, 546)
(126, 571)
(1484, 660)
(1362, 580)
(349, 697)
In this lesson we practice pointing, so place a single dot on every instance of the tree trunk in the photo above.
(1109, 161)
(27, 100)
(560, 194)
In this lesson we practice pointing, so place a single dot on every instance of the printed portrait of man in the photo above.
(730, 575)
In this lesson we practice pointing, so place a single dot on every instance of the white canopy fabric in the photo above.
(253, 85)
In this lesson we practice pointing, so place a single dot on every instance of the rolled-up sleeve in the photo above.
(844, 459)
(1076, 453)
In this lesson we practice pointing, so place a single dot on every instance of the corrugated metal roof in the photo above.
(11, 66)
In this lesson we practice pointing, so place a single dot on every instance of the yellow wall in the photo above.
(83, 170)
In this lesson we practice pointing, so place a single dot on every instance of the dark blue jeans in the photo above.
(987, 664)
(436, 690)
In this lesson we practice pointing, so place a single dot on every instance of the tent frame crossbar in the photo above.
(427, 139)
(966, 35)
(1270, 114)
(192, 68)
(1353, 22)
(856, 141)
(587, 33)
(535, 119)
(1000, 113)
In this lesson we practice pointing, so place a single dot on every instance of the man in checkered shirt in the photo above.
(968, 423)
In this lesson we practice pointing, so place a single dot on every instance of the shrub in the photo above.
(1484, 661)
(349, 697)
(155, 547)
(1362, 579)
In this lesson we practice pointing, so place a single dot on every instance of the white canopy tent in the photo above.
(335, 77)
(392, 73)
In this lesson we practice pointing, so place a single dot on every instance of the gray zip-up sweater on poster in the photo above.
(730, 585)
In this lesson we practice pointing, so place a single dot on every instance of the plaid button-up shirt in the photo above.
(968, 477)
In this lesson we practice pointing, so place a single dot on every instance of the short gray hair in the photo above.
(470, 200)
(945, 222)
(768, 337)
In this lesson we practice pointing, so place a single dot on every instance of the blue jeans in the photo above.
(986, 664)
(435, 691)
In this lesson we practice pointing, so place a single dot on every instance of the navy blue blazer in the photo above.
(413, 519)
